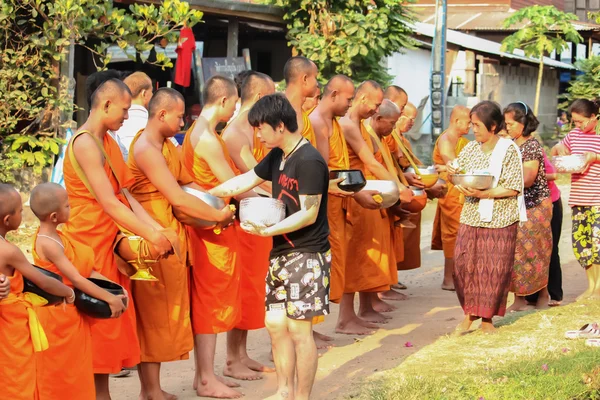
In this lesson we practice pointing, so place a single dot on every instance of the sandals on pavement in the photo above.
(592, 342)
(587, 331)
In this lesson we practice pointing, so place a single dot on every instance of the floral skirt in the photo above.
(586, 235)
(484, 258)
(533, 251)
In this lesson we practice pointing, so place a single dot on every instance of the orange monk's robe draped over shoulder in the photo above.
(163, 307)
(336, 214)
(370, 254)
(114, 341)
(17, 359)
(397, 230)
(308, 132)
(215, 283)
(259, 150)
(447, 214)
(65, 370)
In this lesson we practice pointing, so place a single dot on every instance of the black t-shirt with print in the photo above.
(304, 173)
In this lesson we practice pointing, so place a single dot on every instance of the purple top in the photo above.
(554, 190)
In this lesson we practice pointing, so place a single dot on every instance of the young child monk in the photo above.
(21, 334)
(67, 330)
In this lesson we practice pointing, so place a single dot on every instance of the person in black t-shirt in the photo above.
(298, 277)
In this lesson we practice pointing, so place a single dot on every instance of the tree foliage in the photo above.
(587, 83)
(36, 37)
(348, 37)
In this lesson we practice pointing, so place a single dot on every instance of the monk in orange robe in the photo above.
(216, 301)
(68, 332)
(301, 82)
(21, 334)
(311, 102)
(163, 308)
(96, 179)
(368, 233)
(447, 216)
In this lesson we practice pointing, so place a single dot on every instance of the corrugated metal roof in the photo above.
(484, 46)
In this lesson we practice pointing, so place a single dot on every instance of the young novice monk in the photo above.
(65, 370)
(20, 332)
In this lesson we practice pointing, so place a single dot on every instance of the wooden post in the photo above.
(469, 88)
(233, 30)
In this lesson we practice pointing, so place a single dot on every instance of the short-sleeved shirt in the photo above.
(305, 172)
(585, 188)
(554, 190)
(531, 150)
(506, 210)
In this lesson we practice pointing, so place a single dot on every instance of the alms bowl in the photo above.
(31, 287)
(262, 211)
(213, 201)
(94, 307)
(473, 181)
(429, 175)
(568, 164)
(354, 180)
(388, 189)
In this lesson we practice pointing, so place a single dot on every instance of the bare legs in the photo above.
(101, 383)
(520, 304)
(448, 283)
(348, 322)
(486, 324)
(235, 368)
(208, 384)
(366, 310)
(248, 362)
(149, 374)
(593, 290)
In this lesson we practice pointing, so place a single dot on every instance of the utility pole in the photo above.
(438, 70)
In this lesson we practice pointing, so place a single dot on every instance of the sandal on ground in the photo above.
(554, 303)
(400, 286)
(592, 342)
(585, 332)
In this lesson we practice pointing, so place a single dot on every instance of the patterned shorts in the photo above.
(299, 283)
(586, 235)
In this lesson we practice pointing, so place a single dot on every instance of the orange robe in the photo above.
(17, 359)
(397, 230)
(114, 341)
(308, 132)
(163, 307)
(65, 370)
(370, 256)
(215, 283)
(447, 214)
(336, 215)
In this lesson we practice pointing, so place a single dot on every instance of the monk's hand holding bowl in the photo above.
(161, 244)
(4, 287)
(335, 190)
(227, 217)
(437, 191)
(365, 199)
(414, 179)
(452, 167)
(117, 305)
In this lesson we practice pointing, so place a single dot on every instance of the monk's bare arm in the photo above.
(357, 143)
(446, 150)
(321, 134)
(239, 184)
(306, 216)
(152, 164)
(16, 259)
(4, 286)
(90, 159)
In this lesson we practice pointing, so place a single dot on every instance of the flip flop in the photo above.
(586, 331)
(554, 303)
(592, 342)
(400, 286)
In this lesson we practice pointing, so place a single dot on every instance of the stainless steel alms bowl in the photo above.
(214, 202)
(388, 189)
(262, 211)
(473, 181)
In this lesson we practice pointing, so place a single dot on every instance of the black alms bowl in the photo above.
(354, 180)
(93, 307)
(31, 287)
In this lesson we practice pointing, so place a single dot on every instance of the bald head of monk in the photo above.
(11, 208)
(312, 101)
(338, 94)
(384, 120)
(397, 95)
(166, 111)
(140, 85)
(50, 203)
(255, 86)
(407, 119)
(110, 103)
(368, 98)
(460, 120)
(301, 75)
(220, 94)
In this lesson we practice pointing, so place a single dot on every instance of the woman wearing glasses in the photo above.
(585, 190)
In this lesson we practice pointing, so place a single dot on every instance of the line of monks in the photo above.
(210, 281)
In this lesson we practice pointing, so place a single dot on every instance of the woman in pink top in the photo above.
(585, 190)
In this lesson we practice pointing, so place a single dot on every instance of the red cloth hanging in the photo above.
(185, 52)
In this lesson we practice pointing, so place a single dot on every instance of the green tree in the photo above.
(348, 37)
(587, 84)
(542, 30)
(36, 37)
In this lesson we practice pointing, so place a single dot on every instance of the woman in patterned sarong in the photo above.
(485, 247)
(534, 238)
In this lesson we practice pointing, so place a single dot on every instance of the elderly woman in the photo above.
(584, 198)
(485, 247)
(534, 238)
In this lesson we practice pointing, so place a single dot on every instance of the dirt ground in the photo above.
(419, 321)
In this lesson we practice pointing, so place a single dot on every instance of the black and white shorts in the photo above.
(299, 283)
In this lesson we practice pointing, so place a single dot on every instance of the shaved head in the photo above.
(10, 200)
(369, 95)
(296, 67)
(138, 82)
(388, 109)
(397, 95)
(459, 112)
(368, 86)
(408, 117)
(240, 78)
(112, 90)
(460, 119)
(216, 88)
(338, 83)
(256, 83)
(164, 99)
(410, 110)
(46, 199)
(385, 119)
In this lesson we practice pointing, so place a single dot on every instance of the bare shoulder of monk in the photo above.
(7, 251)
(202, 136)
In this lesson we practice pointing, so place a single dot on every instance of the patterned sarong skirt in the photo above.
(484, 259)
(586, 235)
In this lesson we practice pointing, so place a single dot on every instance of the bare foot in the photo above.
(374, 316)
(238, 370)
(228, 382)
(353, 327)
(367, 324)
(392, 295)
(322, 341)
(322, 337)
(159, 396)
(255, 365)
(381, 306)
(487, 326)
(448, 286)
(216, 389)
(465, 325)
(520, 304)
